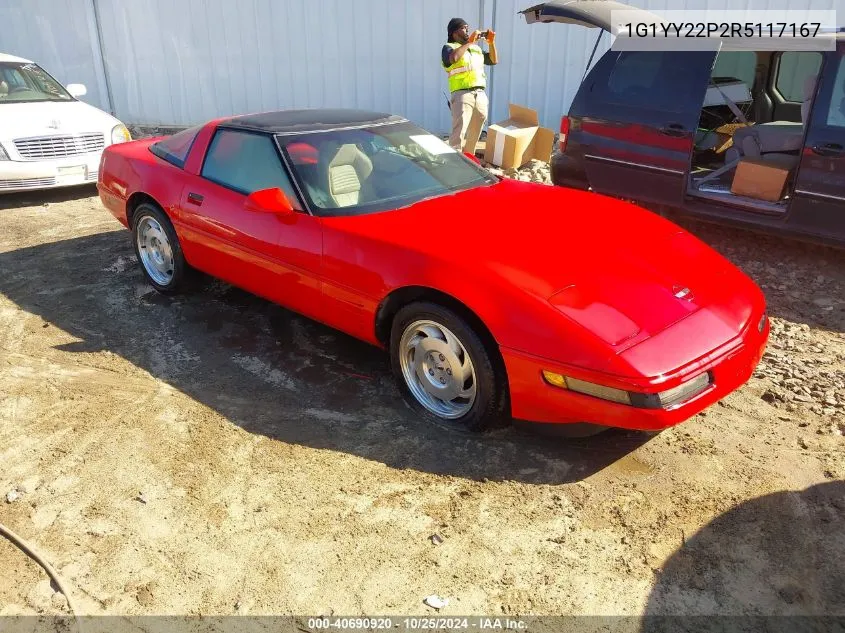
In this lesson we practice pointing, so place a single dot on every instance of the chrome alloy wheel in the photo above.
(155, 250)
(437, 369)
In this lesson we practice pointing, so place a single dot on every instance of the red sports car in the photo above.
(497, 299)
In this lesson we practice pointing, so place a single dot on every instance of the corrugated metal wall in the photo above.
(180, 62)
(185, 61)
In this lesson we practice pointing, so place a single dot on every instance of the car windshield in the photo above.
(378, 168)
(28, 82)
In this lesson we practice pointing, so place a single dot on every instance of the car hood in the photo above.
(47, 118)
(619, 271)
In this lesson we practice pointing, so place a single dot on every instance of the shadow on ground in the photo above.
(781, 556)
(271, 371)
(46, 196)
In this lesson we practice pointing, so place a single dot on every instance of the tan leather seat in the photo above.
(347, 174)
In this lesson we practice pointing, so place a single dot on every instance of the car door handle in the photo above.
(673, 129)
(195, 198)
(829, 149)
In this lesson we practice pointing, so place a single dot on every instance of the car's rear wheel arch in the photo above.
(160, 256)
(137, 199)
(401, 297)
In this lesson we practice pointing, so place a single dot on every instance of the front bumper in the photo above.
(533, 399)
(49, 174)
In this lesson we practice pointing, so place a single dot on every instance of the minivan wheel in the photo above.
(444, 369)
(158, 250)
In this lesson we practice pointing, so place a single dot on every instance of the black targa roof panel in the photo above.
(589, 13)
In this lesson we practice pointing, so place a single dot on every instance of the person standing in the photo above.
(464, 61)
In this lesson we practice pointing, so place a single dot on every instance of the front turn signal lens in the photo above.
(556, 380)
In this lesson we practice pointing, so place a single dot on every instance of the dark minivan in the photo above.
(669, 129)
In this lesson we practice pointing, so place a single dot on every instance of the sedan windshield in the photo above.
(358, 171)
(28, 82)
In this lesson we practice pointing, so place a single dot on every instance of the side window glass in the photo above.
(657, 79)
(794, 69)
(634, 78)
(16, 79)
(246, 163)
(836, 112)
(736, 65)
(175, 149)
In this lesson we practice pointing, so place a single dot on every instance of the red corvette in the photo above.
(496, 299)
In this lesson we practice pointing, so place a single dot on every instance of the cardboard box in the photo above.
(759, 179)
(518, 139)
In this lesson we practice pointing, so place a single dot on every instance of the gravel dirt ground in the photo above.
(216, 454)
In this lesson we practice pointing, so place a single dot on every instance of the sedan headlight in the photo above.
(120, 134)
(3, 154)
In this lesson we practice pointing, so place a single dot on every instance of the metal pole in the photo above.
(96, 7)
(490, 91)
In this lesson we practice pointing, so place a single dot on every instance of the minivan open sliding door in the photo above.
(638, 122)
(634, 119)
(818, 203)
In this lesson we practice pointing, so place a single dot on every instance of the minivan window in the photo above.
(634, 77)
(836, 113)
(793, 70)
(736, 64)
(653, 79)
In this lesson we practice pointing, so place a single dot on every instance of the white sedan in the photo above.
(48, 138)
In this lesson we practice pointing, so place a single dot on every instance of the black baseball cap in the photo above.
(454, 25)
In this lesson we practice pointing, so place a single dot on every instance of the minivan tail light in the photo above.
(564, 133)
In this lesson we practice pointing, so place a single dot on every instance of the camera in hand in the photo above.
(483, 34)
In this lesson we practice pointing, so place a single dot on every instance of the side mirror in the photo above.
(269, 201)
(77, 90)
(473, 158)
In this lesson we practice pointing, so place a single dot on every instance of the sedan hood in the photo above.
(46, 118)
(619, 271)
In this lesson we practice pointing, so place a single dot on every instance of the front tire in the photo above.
(445, 371)
(158, 250)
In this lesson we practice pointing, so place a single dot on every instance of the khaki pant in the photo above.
(469, 111)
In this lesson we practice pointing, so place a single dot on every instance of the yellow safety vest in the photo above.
(468, 71)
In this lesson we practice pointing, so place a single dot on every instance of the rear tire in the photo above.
(159, 251)
(445, 371)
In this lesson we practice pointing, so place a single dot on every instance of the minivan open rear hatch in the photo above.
(589, 13)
